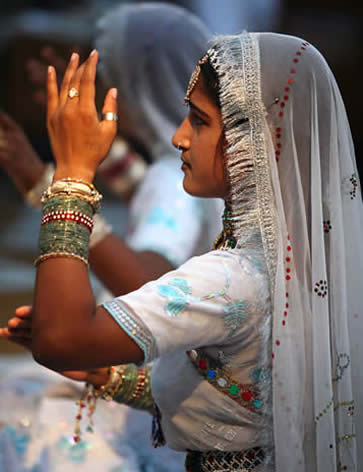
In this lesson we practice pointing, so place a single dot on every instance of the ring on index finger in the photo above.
(73, 92)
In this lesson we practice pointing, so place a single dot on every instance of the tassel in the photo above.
(157, 436)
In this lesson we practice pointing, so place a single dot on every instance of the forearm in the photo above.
(64, 306)
(123, 270)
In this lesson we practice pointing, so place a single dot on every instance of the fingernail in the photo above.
(74, 56)
(93, 52)
(50, 70)
(114, 93)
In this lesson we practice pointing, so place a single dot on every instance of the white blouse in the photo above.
(219, 302)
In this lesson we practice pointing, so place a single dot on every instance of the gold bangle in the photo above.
(140, 385)
(51, 255)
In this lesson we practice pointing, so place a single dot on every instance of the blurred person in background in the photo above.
(166, 226)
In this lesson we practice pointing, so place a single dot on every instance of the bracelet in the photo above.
(68, 215)
(65, 230)
(108, 390)
(74, 187)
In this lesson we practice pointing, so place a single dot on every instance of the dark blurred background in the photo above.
(335, 28)
(26, 25)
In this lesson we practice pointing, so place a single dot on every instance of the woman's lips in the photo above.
(185, 164)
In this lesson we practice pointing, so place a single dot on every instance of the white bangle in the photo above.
(34, 195)
(100, 230)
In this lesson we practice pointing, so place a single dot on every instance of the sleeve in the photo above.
(206, 302)
(163, 217)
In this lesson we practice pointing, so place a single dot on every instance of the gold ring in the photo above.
(73, 92)
(109, 116)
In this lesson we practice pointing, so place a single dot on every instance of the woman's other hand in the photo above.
(17, 156)
(80, 141)
(19, 331)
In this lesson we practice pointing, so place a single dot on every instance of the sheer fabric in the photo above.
(295, 195)
(294, 178)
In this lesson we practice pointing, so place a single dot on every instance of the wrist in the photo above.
(63, 172)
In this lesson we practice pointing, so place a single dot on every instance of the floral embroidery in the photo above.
(159, 216)
(235, 315)
(321, 288)
(353, 180)
(343, 362)
(327, 226)
(176, 293)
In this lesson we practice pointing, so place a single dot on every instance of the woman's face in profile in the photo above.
(201, 138)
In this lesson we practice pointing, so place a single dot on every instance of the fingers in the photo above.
(70, 71)
(51, 57)
(7, 123)
(87, 85)
(75, 83)
(52, 92)
(110, 106)
(24, 311)
(20, 324)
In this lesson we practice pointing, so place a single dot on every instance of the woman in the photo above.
(270, 318)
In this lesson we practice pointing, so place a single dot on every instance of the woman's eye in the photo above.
(196, 120)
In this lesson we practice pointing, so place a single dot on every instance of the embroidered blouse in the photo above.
(218, 302)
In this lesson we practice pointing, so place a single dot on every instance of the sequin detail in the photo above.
(245, 395)
(134, 327)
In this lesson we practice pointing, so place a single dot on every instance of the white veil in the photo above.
(294, 161)
(157, 64)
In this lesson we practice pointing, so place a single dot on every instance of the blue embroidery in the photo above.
(258, 375)
(235, 315)
(182, 285)
(176, 292)
(159, 216)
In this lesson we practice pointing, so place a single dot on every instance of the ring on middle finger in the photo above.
(73, 92)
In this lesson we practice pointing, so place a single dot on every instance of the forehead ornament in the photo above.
(195, 77)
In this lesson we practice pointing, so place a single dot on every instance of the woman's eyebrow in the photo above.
(192, 105)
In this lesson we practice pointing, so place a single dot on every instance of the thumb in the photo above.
(109, 113)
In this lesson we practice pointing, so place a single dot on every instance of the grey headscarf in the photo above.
(148, 51)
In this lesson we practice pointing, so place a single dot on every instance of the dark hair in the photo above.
(211, 82)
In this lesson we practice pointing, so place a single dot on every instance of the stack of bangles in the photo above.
(67, 222)
(130, 385)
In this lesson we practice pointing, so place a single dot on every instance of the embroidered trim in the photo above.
(134, 328)
(245, 395)
(224, 461)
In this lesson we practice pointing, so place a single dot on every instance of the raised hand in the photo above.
(19, 331)
(80, 141)
(17, 156)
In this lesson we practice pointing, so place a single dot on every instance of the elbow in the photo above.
(50, 351)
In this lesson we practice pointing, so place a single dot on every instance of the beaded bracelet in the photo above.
(108, 390)
(74, 187)
(65, 230)
(68, 215)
